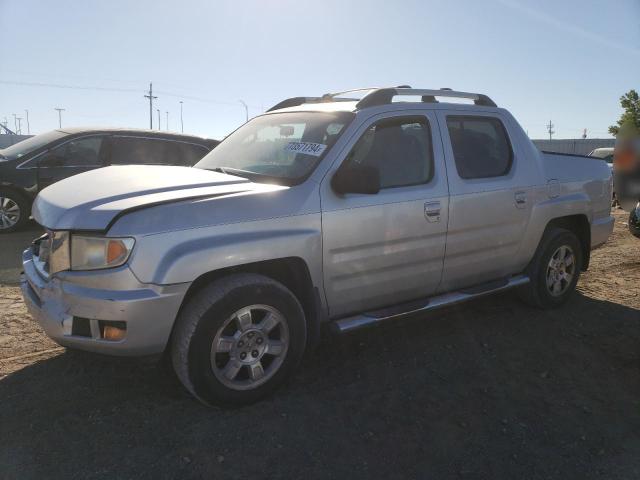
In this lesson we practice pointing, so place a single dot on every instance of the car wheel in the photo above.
(554, 270)
(634, 222)
(238, 339)
(14, 211)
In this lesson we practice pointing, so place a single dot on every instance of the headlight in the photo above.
(92, 253)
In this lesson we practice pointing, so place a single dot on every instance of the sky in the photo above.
(545, 60)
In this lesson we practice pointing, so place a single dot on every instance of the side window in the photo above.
(142, 151)
(82, 152)
(480, 146)
(188, 154)
(399, 148)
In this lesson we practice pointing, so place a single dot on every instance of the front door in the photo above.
(70, 158)
(387, 248)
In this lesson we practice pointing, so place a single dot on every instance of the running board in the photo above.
(348, 324)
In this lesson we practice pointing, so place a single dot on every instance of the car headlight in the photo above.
(92, 253)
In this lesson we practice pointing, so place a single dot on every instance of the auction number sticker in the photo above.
(307, 148)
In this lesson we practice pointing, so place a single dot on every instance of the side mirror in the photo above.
(51, 160)
(356, 179)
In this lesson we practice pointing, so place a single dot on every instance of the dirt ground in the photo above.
(489, 389)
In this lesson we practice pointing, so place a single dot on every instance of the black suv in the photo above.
(33, 164)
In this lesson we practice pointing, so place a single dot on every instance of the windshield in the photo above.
(282, 148)
(31, 144)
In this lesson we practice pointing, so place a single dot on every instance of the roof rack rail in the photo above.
(382, 96)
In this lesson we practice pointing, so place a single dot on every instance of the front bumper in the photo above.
(107, 295)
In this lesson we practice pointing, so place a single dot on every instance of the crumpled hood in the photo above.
(92, 200)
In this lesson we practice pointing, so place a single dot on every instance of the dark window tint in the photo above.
(80, 152)
(189, 153)
(400, 149)
(142, 151)
(480, 146)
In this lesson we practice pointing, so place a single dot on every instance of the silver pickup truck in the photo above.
(329, 209)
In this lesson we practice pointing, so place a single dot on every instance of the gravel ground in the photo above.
(490, 389)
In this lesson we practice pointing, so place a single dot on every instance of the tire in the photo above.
(564, 272)
(14, 210)
(235, 313)
(634, 222)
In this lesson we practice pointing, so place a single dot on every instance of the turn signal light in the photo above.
(113, 331)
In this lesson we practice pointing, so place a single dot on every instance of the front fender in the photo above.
(178, 257)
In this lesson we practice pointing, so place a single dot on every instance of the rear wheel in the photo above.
(238, 339)
(14, 210)
(554, 270)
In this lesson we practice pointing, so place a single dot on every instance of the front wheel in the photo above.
(554, 270)
(14, 211)
(238, 339)
(634, 221)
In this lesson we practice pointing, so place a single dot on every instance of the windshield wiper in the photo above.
(233, 171)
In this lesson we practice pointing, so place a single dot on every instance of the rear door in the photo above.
(490, 198)
(74, 156)
(388, 248)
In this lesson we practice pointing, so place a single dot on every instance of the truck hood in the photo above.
(93, 200)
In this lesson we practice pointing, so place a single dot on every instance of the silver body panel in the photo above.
(362, 252)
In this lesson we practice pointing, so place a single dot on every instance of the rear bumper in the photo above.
(601, 230)
(149, 311)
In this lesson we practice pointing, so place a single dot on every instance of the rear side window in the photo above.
(189, 153)
(143, 151)
(399, 148)
(481, 148)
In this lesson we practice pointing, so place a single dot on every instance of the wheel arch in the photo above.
(579, 225)
(292, 272)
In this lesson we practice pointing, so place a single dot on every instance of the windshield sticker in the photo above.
(307, 148)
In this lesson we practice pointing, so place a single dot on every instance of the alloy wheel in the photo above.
(9, 213)
(250, 347)
(560, 270)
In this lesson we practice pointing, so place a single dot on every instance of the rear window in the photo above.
(480, 146)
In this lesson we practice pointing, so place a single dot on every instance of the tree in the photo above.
(630, 119)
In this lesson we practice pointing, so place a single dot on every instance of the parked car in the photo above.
(324, 210)
(627, 175)
(37, 162)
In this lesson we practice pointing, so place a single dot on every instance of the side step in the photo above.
(355, 322)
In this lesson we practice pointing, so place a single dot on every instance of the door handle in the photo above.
(521, 199)
(432, 211)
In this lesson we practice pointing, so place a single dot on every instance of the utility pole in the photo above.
(167, 125)
(151, 98)
(15, 122)
(246, 110)
(19, 129)
(158, 118)
(60, 110)
(28, 127)
(181, 122)
(550, 129)
(584, 133)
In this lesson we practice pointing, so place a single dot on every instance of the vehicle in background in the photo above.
(323, 210)
(606, 153)
(627, 176)
(37, 162)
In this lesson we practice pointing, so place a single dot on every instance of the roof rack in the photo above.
(383, 96)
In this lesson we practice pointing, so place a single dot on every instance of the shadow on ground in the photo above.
(491, 389)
